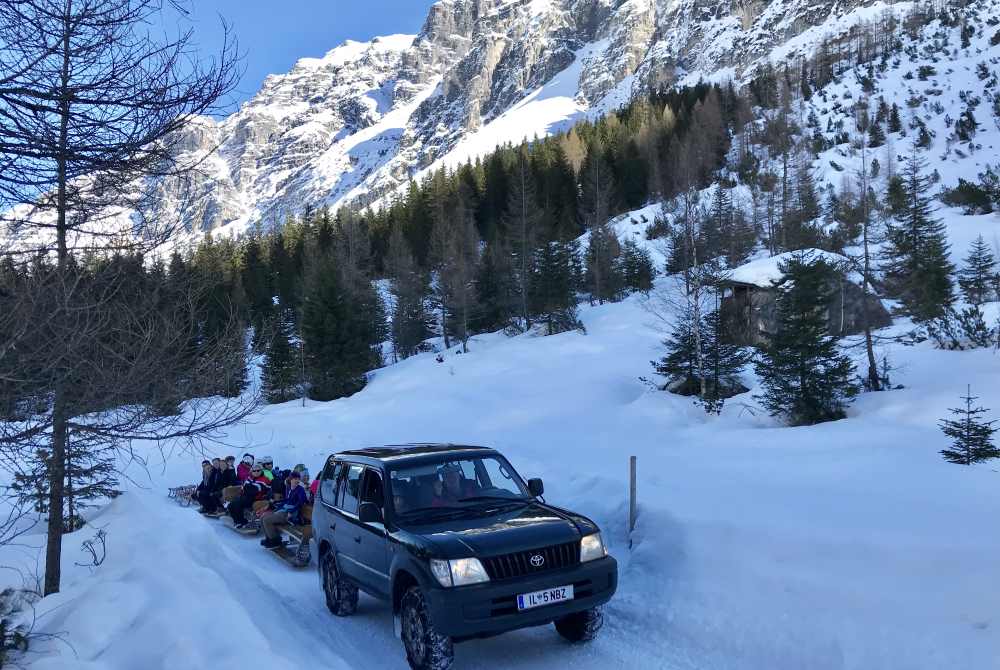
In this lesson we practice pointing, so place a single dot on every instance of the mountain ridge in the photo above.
(357, 124)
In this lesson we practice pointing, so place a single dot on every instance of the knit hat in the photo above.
(299, 467)
(248, 459)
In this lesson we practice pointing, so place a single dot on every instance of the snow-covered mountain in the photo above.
(356, 124)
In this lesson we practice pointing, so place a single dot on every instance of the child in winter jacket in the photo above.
(243, 471)
(290, 511)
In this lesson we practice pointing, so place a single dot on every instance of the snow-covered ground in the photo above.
(850, 545)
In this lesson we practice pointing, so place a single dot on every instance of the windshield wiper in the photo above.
(492, 498)
(431, 511)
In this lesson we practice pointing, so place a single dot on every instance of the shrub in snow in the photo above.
(961, 329)
(971, 436)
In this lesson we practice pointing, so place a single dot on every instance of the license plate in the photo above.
(527, 601)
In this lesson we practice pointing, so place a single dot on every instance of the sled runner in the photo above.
(296, 555)
(252, 528)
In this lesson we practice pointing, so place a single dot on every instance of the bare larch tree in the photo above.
(93, 111)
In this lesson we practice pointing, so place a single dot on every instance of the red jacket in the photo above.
(243, 472)
(313, 488)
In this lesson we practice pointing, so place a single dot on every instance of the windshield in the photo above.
(462, 484)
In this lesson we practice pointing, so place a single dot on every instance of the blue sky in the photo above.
(273, 35)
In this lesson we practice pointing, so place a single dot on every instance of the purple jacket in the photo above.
(293, 502)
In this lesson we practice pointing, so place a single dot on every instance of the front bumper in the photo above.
(484, 610)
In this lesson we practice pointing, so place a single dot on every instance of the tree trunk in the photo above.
(57, 476)
(57, 459)
(873, 381)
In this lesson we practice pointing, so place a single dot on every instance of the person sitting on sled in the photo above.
(246, 465)
(255, 488)
(290, 511)
(209, 486)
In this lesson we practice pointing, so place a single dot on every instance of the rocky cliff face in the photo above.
(359, 122)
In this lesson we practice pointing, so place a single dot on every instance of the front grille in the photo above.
(520, 563)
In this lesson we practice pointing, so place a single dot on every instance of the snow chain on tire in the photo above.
(341, 596)
(426, 649)
(581, 626)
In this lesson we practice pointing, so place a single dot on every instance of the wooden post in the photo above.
(631, 498)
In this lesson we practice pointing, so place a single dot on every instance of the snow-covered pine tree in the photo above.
(917, 268)
(971, 436)
(978, 277)
(281, 373)
(806, 379)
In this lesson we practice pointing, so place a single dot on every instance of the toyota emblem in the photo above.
(537, 561)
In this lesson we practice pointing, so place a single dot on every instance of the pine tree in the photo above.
(979, 276)
(725, 362)
(895, 123)
(281, 372)
(876, 136)
(91, 477)
(554, 289)
(521, 223)
(681, 364)
(635, 267)
(806, 379)
(917, 267)
(602, 245)
(342, 330)
(971, 436)
(411, 323)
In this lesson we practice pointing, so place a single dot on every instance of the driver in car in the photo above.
(452, 486)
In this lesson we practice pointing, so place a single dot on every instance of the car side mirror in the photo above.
(369, 513)
(536, 487)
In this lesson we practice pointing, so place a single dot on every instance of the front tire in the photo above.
(426, 649)
(341, 595)
(581, 626)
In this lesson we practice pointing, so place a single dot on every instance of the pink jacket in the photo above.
(242, 472)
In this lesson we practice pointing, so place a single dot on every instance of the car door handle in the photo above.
(358, 539)
(333, 526)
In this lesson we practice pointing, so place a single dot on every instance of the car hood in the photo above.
(529, 527)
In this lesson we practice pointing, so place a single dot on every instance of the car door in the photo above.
(345, 534)
(374, 544)
(324, 519)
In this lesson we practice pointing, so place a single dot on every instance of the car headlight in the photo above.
(458, 572)
(592, 548)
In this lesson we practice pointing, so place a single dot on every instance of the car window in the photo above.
(372, 488)
(350, 490)
(328, 484)
(456, 483)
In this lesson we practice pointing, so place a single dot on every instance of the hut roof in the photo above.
(763, 272)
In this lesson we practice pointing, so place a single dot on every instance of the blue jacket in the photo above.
(293, 502)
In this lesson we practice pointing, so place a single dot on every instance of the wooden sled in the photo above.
(297, 549)
(182, 495)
